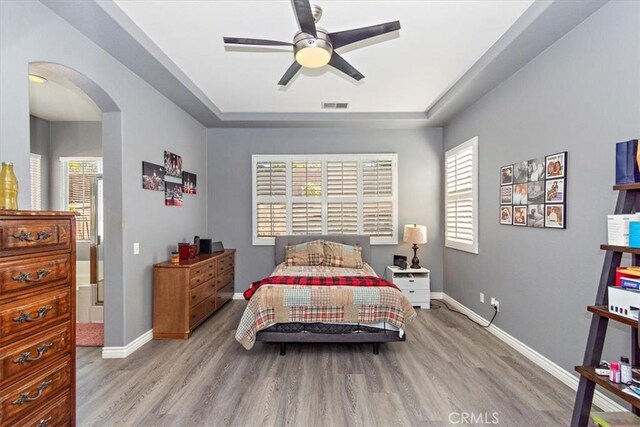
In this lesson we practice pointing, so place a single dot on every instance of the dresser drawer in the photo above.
(32, 235)
(202, 310)
(199, 293)
(223, 295)
(224, 279)
(34, 313)
(32, 352)
(35, 391)
(55, 415)
(33, 274)
(225, 263)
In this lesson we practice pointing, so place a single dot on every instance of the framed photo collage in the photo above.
(533, 192)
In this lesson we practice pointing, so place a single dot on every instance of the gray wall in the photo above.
(581, 95)
(146, 124)
(419, 183)
(39, 134)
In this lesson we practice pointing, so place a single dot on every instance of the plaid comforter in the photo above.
(360, 281)
(336, 303)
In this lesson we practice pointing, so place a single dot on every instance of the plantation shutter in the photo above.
(377, 207)
(461, 197)
(77, 183)
(320, 194)
(36, 181)
(271, 190)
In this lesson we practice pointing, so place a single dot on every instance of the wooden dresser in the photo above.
(37, 318)
(186, 294)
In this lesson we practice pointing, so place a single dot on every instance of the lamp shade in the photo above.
(415, 233)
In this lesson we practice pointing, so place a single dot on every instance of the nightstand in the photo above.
(413, 282)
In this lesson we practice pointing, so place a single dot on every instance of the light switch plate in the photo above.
(136, 248)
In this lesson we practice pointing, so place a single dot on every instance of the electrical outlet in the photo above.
(495, 303)
(482, 297)
(136, 248)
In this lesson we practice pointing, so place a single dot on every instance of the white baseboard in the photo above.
(437, 295)
(122, 352)
(238, 295)
(599, 399)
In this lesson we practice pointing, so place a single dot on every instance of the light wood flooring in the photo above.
(447, 366)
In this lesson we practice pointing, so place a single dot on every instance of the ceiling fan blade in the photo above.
(343, 38)
(305, 17)
(339, 63)
(288, 75)
(258, 42)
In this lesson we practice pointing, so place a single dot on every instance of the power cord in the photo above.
(495, 313)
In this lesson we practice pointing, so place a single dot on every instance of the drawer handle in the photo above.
(26, 397)
(25, 236)
(26, 277)
(26, 357)
(44, 422)
(26, 317)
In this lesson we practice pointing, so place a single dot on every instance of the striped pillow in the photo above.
(308, 253)
(339, 255)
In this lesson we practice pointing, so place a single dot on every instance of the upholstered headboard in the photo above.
(283, 241)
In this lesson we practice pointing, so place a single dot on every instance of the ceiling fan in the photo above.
(314, 47)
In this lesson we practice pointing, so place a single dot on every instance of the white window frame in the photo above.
(64, 173)
(324, 199)
(450, 243)
(36, 193)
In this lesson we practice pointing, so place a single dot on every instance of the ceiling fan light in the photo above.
(313, 57)
(37, 79)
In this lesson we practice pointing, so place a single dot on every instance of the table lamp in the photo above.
(416, 234)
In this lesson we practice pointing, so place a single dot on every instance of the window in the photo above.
(77, 174)
(325, 194)
(461, 196)
(36, 181)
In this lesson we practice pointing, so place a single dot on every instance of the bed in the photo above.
(357, 307)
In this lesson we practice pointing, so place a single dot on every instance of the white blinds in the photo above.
(36, 181)
(461, 196)
(77, 192)
(320, 194)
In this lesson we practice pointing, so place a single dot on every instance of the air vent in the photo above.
(335, 105)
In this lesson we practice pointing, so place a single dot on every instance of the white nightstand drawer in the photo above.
(406, 283)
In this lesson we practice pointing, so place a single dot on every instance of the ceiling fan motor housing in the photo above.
(312, 52)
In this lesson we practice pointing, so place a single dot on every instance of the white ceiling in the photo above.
(404, 72)
(59, 100)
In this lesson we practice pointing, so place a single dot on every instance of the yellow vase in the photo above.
(8, 187)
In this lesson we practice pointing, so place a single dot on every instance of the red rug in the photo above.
(89, 334)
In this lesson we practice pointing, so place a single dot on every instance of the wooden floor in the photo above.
(446, 368)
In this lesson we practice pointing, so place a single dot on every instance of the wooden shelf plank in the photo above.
(624, 249)
(624, 187)
(602, 310)
(589, 372)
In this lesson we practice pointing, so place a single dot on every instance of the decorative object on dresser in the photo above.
(416, 234)
(37, 318)
(187, 293)
(415, 284)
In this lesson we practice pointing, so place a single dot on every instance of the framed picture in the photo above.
(554, 191)
(173, 194)
(535, 170)
(556, 165)
(400, 261)
(521, 172)
(172, 165)
(506, 175)
(506, 216)
(520, 215)
(189, 183)
(535, 216)
(554, 216)
(535, 192)
(506, 195)
(520, 194)
(152, 176)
